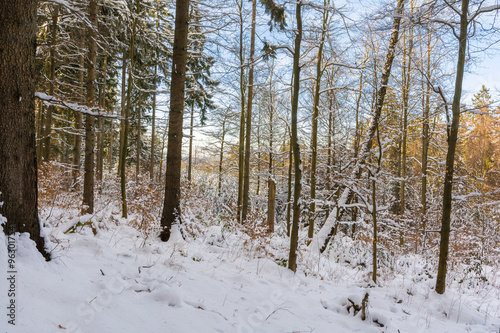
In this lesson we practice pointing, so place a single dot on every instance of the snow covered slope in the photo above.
(120, 281)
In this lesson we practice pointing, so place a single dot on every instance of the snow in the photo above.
(120, 281)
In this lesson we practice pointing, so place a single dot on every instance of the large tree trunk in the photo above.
(248, 137)
(171, 207)
(88, 182)
(323, 237)
(18, 170)
(294, 238)
(450, 156)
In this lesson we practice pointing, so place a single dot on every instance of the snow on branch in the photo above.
(54, 101)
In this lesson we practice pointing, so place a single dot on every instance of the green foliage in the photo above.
(277, 14)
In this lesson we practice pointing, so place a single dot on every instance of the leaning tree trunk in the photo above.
(323, 237)
(294, 238)
(18, 170)
(88, 182)
(171, 205)
(450, 156)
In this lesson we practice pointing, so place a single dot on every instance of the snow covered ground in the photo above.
(223, 281)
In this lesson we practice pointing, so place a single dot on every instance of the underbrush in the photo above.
(209, 218)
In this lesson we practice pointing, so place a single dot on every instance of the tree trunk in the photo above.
(18, 169)
(324, 235)
(77, 140)
(425, 136)
(450, 156)
(374, 216)
(88, 183)
(221, 158)
(124, 145)
(294, 238)
(241, 146)
(100, 133)
(314, 134)
(138, 143)
(289, 197)
(246, 173)
(52, 77)
(153, 117)
(171, 208)
(122, 107)
(190, 156)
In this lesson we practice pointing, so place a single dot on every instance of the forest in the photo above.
(157, 153)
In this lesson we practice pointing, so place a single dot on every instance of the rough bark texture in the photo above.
(294, 237)
(18, 170)
(450, 156)
(246, 171)
(88, 182)
(171, 206)
(326, 232)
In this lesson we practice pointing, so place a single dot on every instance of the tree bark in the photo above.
(52, 77)
(152, 157)
(138, 143)
(123, 105)
(88, 183)
(124, 145)
(248, 136)
(77, 140)
(190, 156)
(294, 238)
(241, 146)
(450, 156)
(100, 132)
(314, 133)
(171, 208)
(18, 169)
